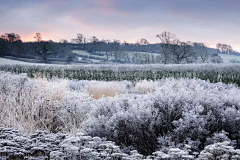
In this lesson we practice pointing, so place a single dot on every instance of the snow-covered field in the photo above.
(227, 58)
(10, 61)
(169, 118)
(85, 53)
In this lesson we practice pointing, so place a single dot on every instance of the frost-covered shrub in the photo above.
(32, 104)
(218, 138)
(125, 121)
(165, 143)
(43, 145)
(175, 114)
(189, 111)
(221, 150)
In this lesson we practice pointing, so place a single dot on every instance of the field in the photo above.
(226, 73)
(121, 112)
(10, 61)
(227, 58)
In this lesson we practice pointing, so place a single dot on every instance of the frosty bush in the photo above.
(189, 111)
(32, 104)
(221, 150)
(176, 118)
(44, 145)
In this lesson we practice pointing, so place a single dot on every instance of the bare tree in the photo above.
(11, 37)
(115, 47)
(181, 51)
(203, 52)
(94, 40)
(230, 49)
(12, 40)
(63, 49)
(79, 39)
(44, 51)
(167, 39)
(224, 48)
(143, 42)
(186, 52)
(105, 46)
(38, 37)
(219, 47)
(64, 41)
(175, 50)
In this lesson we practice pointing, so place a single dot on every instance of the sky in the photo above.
(207, 21)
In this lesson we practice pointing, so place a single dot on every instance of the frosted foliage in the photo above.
(220, 151)
(32, 104)
(218, 137)
(172, 118)
(187, 110)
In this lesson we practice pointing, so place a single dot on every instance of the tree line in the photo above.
(169, 49)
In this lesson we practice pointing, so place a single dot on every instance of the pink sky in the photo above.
(204, 21)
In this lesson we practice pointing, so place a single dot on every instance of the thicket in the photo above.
(225, 73)
(37, 104)
(14, 145)
(185, 114)
(177, 113)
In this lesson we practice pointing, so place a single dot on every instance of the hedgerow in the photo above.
(226, 73)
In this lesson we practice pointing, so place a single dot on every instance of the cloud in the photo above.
(196, 20)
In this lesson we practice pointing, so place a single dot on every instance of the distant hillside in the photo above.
(227, 57)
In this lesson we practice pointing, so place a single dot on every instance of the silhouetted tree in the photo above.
(45, 50)
(105, 47)
(11, 37)
(203, 52)
(181, 51)
(3, 47)
(9, 42)
(115, 47)
(143, 42)
(93, 46)
(19, 48)
(64, 41)
(167, 39)
(63, 49)
(224, 48)
(38, 37)
(79, 39)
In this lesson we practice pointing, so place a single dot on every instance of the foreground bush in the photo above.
(53, 105)
(37, 104)
(43, 145)
(167, 118)
(177, 112)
